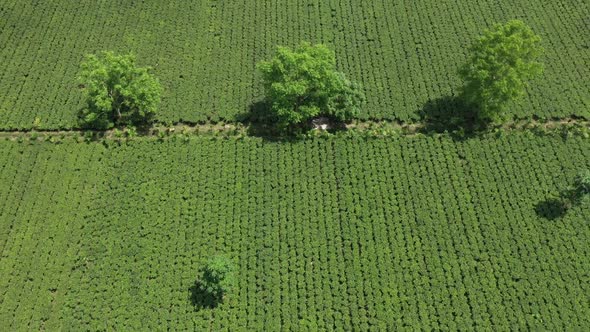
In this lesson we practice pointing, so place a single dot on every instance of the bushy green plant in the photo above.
(118, 92)
(118, 133)
(578, 193)
(131, 132)
(36, 123)
(217, 277)
(161, 133)
(501, 62)
(303, 83)
(88, 136)
(581, 189)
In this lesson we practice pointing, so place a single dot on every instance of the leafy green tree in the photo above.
(501, 62)
(303, 83)
(578, 193)
(581, 189)
(118, 92)
(217, 277)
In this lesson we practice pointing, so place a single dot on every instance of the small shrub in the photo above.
(88, 136)
(36, 123)
(131, 132)
(581, 189)
(217, 277)
(579, 192)
(161, 134)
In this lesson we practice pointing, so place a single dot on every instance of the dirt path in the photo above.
(371, 128)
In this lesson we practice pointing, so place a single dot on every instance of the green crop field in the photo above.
(433, 210)
(404, 52)
(327, 234)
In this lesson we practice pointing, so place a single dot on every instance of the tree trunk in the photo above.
(119, 116)
(115, 98)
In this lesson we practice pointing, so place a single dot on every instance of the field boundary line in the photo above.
(367, 128)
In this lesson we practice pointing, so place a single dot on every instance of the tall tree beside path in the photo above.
(117, 91)
(303, 83)
(501, 62)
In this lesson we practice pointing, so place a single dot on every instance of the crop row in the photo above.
(44, 194)
(404, 53)
(326, 234)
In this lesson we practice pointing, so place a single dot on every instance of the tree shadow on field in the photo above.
(201, 299)
(551, 209)
(260, 122)
(143, 127)
(258, 112)
(451, 114)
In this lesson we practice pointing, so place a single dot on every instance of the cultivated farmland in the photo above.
(327, 234)
(405, 53)
(344, 183)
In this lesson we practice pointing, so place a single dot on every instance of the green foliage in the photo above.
(217, 277)
(500, 63)
(207, 58)
(582, 182)
(88, 136)
(118, 92)
(344, 234)
(34, 135)
(36, 123)
(303, 83)
(131, 132)
(576, 194)
(581, 187)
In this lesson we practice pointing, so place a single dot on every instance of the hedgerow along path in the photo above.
(404, 53)
(327, 233)
(569, 126)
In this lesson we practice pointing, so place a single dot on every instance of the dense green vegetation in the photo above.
(215, 281)
(302, 84)
(438, 223)
(582, 186)
(404, 53)
(117, 91)
(575, 195)
(326, 234)
(500, 63)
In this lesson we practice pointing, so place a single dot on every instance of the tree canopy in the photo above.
(500, 63)
(303, 83)
(118, 92)
(217, 277)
